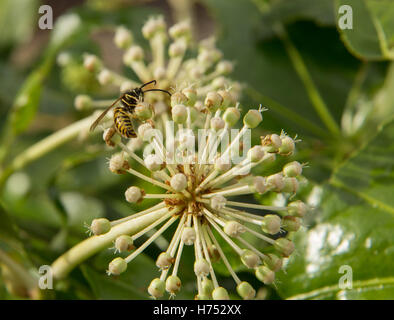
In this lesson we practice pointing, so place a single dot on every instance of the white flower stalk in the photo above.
(200, 175)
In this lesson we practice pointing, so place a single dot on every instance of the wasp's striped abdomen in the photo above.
(123, 123)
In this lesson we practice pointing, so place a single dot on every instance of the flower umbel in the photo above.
(191, 158)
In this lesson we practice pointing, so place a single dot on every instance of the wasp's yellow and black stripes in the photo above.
(123, 123)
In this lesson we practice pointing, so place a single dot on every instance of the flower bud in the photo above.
(143, 110)
(117, 164)
(287, 147)
(271, 143)
(265, 275)
(201, 268)
(105, 77)
(83, 102)
(250, 259)
(133, 54)
(179, 113)
(188, 236)
(259, 185)
(284, 246)
(177, 48)
(179, 182)
(218, 202)
(207, 286)
(117, 266)
(292, 169)
(217, 123)
(275, 182)
(152, 26)
(178, 98)
(220, 293)
(297, 208)
(291, 223)
(273, 262)
(224, 67)
(234, 228)
(271, 224)
(191, 95)
(133, 195)
(253, 118)
(134, 144)
(231, 116)
(164, 260)
(159, 73)
(222, 164)
(213, 100)
(228, 99)
(100, 226)
(156, 288)
(124, 243)
(246, 291)
(123, 38)
(290, 186)
(153, 162)
(256, 153)
(220, 83)
(91, 62)
(173, 284)
(180, 30)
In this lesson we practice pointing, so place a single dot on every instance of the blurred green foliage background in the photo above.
(332, 87)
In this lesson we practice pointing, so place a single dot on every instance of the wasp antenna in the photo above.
(145, 84)
(158, 90)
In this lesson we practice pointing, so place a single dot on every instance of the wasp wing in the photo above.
(95, 123)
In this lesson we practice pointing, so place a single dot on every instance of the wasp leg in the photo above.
(109, 136)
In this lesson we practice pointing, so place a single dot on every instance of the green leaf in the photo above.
(354, 229)
(372, 35)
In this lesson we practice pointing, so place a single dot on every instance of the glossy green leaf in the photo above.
(372, 35)
(355, 229)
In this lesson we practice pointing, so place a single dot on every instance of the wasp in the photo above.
(125, 112)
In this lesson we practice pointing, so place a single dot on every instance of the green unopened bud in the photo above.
(180, 30)
(153, 26)
(265, 275)
(220, 83)
(117, 266)
(133, 54)
(191, 95)
(156, 288)
(178, 98)
(83, 102)
(177, 49)
(228, 99)
(287, 147)
(271, 224)
(143, 110)
(173, 284)
(207, 286)
(164, 260)
(201, 268)
(256, 153)
(291, 223)
(100, 226)
(179, 113)
(220, 293)
(224, 67)
(284, 246)
(271, 143)
(231, 116)
(234, 228)
(250, 259)
(292, 169)
(213, 100)
(124, 243)
(246, 291)
(275, 182)
(297, 208)
(123, 38)
(291, 185)
(253, 118)
(273, 262)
